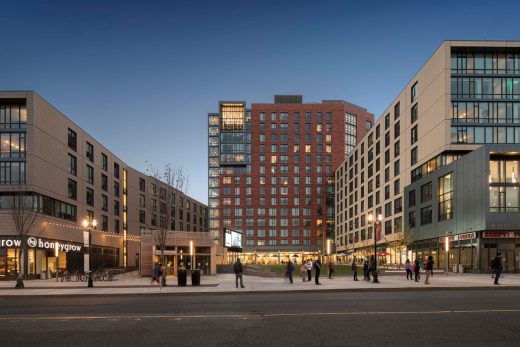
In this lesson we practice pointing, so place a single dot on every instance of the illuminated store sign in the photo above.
(34, 242)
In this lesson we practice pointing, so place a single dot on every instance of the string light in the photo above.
(129, 237)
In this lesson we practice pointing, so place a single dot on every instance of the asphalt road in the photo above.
(463, 318)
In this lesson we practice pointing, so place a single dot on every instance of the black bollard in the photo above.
(90, 280)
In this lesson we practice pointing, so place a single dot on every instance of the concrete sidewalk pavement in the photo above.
(132, 284)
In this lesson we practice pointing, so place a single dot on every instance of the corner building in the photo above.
(269, 167)
(441, 162)
(69, 176)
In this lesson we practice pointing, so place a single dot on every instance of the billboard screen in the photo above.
(232, 239)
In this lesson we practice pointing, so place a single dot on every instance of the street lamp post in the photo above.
(447, 245)
(89, 226)
(375, 223)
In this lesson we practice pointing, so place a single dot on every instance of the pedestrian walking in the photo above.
(239, 270)
(317, 269)
(309, 270)
(371, 267)
(416, 269)
(331, 268)
(366, 274)
(156, 273)
(290, 269)
(303, 270)
(354, 269)
(408, 268)
(428, 268)
(163, 275)
(496, 265)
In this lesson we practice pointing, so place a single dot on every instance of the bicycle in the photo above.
(80, 276)
(65, 276)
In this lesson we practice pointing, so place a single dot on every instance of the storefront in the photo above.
(469, 253)
(41, 256)
(274, 257)
(182, 249)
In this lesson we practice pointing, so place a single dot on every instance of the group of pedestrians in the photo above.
(159, 274)
(306, 271)
(413, 271)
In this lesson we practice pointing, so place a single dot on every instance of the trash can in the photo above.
(181, 277)
(195, 277)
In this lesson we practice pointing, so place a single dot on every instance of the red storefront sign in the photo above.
(501, 234)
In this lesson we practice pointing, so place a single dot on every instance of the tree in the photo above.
(401, 243)
(170, 181)
(23, 209)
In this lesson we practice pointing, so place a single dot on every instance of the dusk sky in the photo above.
(141, 77)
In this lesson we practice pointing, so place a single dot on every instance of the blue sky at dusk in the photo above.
(140, 77)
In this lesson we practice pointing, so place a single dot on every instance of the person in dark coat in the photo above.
(366, 273)
(429, 268)
(156, 273)
(317, 269)
(290, 269)
(239, 270)
(416, 269)
(496, 265)
(354, 269)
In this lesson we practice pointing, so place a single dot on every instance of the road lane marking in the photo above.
(252, 316)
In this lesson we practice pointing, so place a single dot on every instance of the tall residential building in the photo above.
(268, 171)
(441, 162)
(68, 176)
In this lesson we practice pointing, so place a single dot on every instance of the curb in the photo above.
(268, 292)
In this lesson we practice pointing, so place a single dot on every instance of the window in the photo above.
(397, 187)
(72, 165)
(396, 168)
(397, 110)
(142, 216)
(415, 113)
(104, 161)
(426, 192)
(116, 207)
(104, 223)
(104, 182)
(504, 186)
(397, 129)
(116, 189)
(387, 121)
(12, 145)
(411, 198)
(398, 205)
(90, 197)
(411, 219)
(72, 189)
(413, 156)
(90, 174)
(397, 148)
(104, 202)
(116, 170)
(388, 209)
(413, 134)
(12, 172)
(426, 215)
(446, 197)
(90, 152)
(72, 140)
(388, 227)
(413, 92)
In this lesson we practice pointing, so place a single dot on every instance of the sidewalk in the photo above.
(132, 284)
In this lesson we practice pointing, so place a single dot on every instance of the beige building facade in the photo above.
(417, 135)
(68, 176)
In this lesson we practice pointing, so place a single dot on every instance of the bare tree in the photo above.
(401, 243)
(23, 210)
(171, 183)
